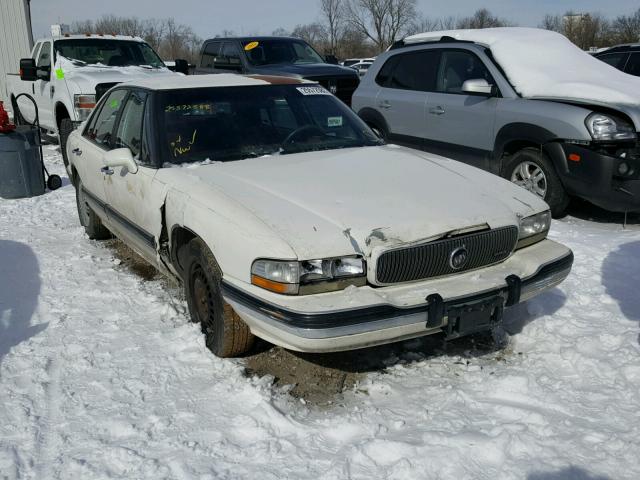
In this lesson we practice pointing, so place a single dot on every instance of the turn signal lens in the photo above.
(284, 288)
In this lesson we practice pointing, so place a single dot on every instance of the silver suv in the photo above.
(447, 93)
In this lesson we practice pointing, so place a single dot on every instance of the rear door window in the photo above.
(416, 71)
(633, 65)
(229, 58)
(211, 52)
(458, 66)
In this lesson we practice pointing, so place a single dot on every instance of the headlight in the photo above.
(534, 229)
(83, 105)
(608, 128)
(308, 276)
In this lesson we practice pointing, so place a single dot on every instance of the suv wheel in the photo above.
(379, 131)
(533, 171)
(226, 334)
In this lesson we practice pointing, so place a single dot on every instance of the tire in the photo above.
(529, 164)
(379, 131)
(65, 129)
(88, 219)
(226, 334)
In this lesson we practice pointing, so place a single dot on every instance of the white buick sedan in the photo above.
(286, 218)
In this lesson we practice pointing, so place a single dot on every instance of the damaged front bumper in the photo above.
(457, 305)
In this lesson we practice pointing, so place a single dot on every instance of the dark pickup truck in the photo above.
(280, 56)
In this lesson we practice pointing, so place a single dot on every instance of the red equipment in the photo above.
(5, 125)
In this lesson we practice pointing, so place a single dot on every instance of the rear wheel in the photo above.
(533, 171)
(88, 218)
(64, 130)
(226, 334)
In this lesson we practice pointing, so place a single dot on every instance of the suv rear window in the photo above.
(410, 71)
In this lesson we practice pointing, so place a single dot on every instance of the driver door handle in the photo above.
(384, 104)
(436, 110)
(106, 170)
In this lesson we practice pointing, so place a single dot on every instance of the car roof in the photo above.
(625, 47)
(78, 36)
(172, 81)
(254, 39)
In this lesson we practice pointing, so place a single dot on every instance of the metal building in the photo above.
(16, 39)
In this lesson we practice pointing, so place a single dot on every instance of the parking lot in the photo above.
(90, 390)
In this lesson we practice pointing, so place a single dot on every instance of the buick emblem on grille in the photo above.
(458, 258)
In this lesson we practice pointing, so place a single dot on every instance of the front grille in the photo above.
(345, 86)
(103, 88)
(433, 259)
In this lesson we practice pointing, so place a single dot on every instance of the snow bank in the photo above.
(103, 376)
(542, 63)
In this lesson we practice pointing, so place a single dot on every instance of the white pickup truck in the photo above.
(66, 74)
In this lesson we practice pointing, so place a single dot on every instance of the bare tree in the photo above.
(483, 18)
(170, 39)
(332, 12)
(552, 22)
(281, 32)
(626, 28)
(382, 21)
(312, 33)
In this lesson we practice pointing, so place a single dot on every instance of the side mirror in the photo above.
(331, 59)
(477, 86)
(181, 66)
(28, 70)
(120, 157)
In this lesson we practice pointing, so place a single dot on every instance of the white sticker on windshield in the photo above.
(334, 122)
(313, 91)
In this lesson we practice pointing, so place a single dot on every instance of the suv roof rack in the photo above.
(443, 39)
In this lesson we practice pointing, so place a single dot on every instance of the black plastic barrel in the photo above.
(21, 172)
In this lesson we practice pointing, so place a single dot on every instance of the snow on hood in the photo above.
(542, 63)
(88, 76)
(331, 202)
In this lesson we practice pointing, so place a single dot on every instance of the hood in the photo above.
(310, 70)
(89, 76)
(338, 202)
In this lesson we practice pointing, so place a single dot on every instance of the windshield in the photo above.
(234, 123)
(267, 52)
(108, 52)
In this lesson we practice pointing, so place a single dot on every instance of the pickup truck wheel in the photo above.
(533, 171)
(88, 219)
(226, 334)
(66, 127)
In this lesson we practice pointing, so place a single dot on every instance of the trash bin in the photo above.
(21, 173)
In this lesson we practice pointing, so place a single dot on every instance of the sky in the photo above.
(209, 17)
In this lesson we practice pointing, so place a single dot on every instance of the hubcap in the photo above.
(531, 177)
(201, 295)
(83, 207)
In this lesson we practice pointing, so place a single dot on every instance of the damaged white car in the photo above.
(287, 218)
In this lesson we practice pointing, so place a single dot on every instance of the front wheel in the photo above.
(226, 334)
(88, 218)
(65, 129)
(533, 171)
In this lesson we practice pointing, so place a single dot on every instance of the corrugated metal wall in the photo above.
(15, 39)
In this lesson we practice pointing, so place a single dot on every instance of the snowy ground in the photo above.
(103, 376)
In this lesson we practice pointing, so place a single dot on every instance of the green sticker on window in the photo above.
(59, 73)
(334, 122)
(114, 103)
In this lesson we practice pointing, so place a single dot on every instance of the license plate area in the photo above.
(473, 317)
